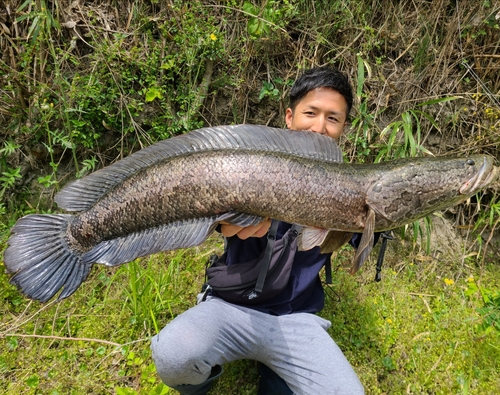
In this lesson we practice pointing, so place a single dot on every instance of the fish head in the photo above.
(410, 189)
(484, 173)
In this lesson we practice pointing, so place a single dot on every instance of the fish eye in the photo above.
(470, 162)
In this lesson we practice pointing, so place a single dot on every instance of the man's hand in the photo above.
(243, 233)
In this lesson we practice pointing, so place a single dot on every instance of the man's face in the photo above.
(322, 110)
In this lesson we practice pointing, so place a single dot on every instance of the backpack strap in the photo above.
(271, 238)
(266, 260)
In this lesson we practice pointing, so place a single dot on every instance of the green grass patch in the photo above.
(97, 341)
(419, 332)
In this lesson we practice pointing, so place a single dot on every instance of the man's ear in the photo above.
(289, 117)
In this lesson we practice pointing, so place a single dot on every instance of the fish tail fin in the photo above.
(40, 258)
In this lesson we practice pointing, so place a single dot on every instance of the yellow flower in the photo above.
(213, 37)
(449, 281)
(389, 321)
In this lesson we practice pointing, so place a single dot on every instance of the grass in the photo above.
(417, 332)
(427, 328)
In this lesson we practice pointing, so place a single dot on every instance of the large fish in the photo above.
(174, 193)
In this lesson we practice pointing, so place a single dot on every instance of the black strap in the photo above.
(266, 260)
(380, 260)
(328, 272)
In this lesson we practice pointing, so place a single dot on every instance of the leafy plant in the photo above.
(9, 175)
(404, 139)
(272, 89)
(404, 136)
(490, 311)
(146, 293)
(268, 90)
(264, 18)
(9, 178)
(41, 18)
(32, 381)
(88, 165)
(363, 125)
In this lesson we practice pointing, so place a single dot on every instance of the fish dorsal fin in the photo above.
(83, 193)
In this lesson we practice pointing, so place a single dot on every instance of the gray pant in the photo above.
(296, 346)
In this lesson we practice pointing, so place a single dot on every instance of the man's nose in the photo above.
(319, 125)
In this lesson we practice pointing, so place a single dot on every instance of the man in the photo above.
(295, 354)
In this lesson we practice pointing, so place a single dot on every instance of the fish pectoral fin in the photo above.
(366, 243)
(240, 219)
(310, 238)
(334, 240)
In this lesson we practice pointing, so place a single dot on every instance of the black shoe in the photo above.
(200, 389)
(270, 383)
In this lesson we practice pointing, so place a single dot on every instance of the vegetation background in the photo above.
(85, 83)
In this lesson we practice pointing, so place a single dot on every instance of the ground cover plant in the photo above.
(84, 84)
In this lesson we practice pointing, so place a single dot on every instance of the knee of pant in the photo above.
(174, 373)
(179, 360)
(170, 345)
(182, 371)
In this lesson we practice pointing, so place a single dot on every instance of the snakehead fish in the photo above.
(174, 193)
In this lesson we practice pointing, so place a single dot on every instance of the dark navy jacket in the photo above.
(304, 292)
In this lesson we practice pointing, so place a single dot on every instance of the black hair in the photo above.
(321, 77)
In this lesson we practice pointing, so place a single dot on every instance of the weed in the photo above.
(274, 89)
(260, 24)
(88, 165)
(405, 135)
(267, 18)
(9, 175)
(490, 310)
(363, 124)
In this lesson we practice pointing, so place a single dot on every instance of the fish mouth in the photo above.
(486, 174)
